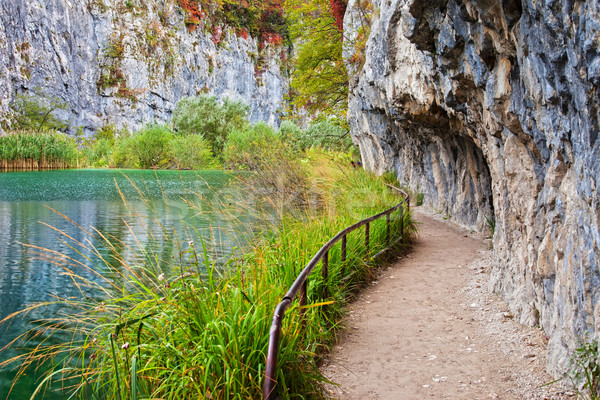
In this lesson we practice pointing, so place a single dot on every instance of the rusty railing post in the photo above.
(344, 244)
(303, 297)
(325, 273)
(367, 234)
(401, 211)
(387, 232)
(271, 363)
(343, 256)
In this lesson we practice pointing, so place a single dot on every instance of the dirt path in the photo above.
(429, 329)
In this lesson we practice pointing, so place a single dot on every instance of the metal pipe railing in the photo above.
(301, 283)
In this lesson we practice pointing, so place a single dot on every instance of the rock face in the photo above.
(129, 62)
(490, 108)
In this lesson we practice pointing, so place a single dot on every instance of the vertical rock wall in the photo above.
(490, 108)
(129, 62)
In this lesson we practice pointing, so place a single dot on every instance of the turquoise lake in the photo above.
(54, 210)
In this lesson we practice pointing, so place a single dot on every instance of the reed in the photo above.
(185, 327)
(32, 150)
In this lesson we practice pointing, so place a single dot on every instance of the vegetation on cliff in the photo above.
(263, 20)
(319, 76)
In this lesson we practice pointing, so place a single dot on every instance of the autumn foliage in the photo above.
(338, 9)
(262, 19)
(194, 14)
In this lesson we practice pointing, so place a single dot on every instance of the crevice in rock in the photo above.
(512, 11)
(425, 14)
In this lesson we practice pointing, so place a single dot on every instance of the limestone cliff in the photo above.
(129, 62)
(491, 109)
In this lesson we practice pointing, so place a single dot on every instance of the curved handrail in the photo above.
(300, 285)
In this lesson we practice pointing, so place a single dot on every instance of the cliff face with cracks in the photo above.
(491, 109)
(128, 62)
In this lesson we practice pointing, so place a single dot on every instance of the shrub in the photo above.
(191, 152)
(278, 168)
(254, 148)
(328, 135)
(584, 370)
(291, 133)
(152, 146)
(99, 153)
(108, 132)
(204, 115)
(123, 154)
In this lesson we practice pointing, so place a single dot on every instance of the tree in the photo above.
(203, 115)
(36, 112)
(319, 77)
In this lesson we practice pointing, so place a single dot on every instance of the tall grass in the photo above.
(200, 330)
(37, 150)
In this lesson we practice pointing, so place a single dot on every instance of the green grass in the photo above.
(202, 331)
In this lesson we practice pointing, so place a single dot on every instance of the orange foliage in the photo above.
(194, 14)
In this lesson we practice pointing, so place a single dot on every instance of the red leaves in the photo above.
(262, 19)
(194, 15)
(217, 35)
(271, 20)
(243, 33)
(338, 9)
(272, 38)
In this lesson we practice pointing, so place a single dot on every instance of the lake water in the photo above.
(141, 209)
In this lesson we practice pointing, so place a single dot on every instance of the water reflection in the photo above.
(65, 211)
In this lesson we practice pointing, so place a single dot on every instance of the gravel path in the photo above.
(429, 329)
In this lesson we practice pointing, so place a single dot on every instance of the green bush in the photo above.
(328, 135)
(205, 116)
(292, 133)
(99, 152)
(255, 147)
(584, 370)
(191, 152)
(277, 164)
(108, 132)
(124, 155)
(152, 146)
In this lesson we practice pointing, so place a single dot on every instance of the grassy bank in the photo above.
(202, 332)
